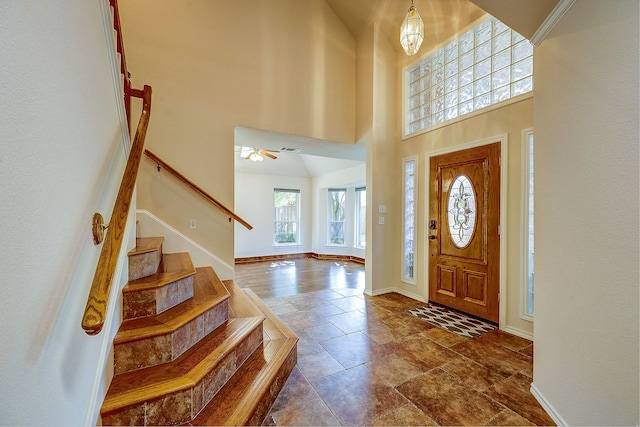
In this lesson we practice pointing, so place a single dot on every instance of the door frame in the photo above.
(503, 139)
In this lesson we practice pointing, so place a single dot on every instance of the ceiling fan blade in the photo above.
(272, 151)
(267, 154)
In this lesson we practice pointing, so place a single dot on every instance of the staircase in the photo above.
(193, 349)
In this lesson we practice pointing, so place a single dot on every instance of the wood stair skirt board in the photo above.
(192, 349)
(284, 257)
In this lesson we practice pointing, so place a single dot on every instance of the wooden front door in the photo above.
(464, 242)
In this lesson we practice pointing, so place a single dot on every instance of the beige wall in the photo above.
(586, 215)
(511, 120)
(377, 126)
(280, 65)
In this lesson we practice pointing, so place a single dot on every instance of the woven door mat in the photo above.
(452, 321)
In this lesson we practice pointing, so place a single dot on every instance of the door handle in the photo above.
(432, 237)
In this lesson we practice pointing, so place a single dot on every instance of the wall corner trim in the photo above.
(547, 406)
(547, 25)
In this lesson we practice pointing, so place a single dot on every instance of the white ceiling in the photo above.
(317, 157)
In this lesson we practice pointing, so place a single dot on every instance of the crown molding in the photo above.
(554, 17)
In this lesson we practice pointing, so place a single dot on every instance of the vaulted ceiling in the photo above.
(442, 18)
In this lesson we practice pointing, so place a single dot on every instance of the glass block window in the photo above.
(336, 216)
(486, 65)
(409, 203)
(286, 224)
(528, 228)
(361, 218)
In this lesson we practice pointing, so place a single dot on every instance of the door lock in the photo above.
(432, 224)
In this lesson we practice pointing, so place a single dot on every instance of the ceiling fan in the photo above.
(257, 154)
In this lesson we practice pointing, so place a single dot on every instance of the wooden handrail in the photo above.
(95, 311)
(162, 164)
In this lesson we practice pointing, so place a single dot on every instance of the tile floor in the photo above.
(365, 361)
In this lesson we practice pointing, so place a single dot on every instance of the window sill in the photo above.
(476, 113)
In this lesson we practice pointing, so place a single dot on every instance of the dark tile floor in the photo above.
(365, 361)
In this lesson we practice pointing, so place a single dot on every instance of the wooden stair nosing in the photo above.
(146, 244)
(240, 305)
(274, 328)
(170, 320)
(241, 402)
(237, 401)
(160, 380)
(174, 267)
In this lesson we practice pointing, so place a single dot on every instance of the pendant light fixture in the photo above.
(411, 31)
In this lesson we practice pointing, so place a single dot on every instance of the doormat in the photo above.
(453, 321)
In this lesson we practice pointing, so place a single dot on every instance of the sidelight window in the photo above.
(527, 230)
(409, 204)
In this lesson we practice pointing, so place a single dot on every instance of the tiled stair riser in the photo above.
(164, 348)
(154, 301)
(184, 405)
(265, 403)
(144, 264)
(216, 379)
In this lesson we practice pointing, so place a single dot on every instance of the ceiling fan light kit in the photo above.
(256, 154)
(412, 31)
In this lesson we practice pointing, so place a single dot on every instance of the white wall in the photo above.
(586, 215)
(254, 203)
(61, 158)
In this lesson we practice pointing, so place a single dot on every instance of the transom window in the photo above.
(486, 65)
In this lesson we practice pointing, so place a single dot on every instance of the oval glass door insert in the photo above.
(462, 211)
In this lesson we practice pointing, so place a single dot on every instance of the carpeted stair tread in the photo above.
(184, 372)
(208, 292)
(146, 244)
(172, 268)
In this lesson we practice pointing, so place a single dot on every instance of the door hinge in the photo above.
(500, 161)
(499, 229)
(498, 296)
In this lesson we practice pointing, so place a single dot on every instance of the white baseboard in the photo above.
(150, 225)
(518, 332)
(555, 416)
(379, 292)
(410, 295)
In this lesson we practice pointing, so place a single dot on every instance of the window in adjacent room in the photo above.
(336, 216)
(286, 224)
(409, 210)
(361, 218)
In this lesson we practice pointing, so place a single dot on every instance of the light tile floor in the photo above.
(365, 361)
